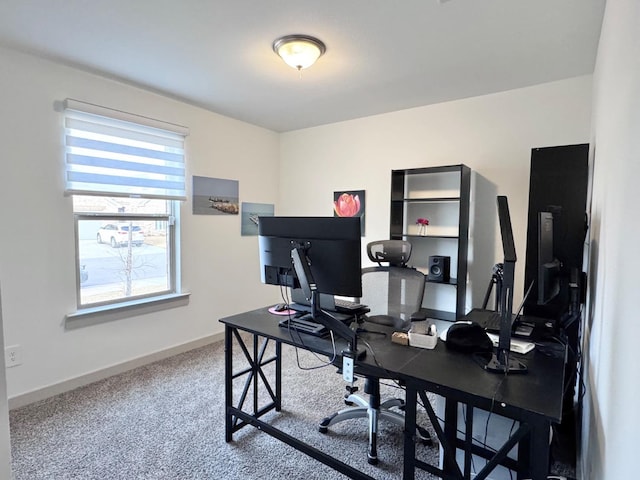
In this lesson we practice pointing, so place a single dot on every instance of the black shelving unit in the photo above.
(441, 194)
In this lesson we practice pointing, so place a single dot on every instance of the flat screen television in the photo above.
(316, 254)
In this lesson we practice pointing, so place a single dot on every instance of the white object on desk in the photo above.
(517, 346)
(428, 340)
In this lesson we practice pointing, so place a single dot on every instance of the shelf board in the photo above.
(429, 170)
(440, 314)
(425, 270)
(452, 281)
(427, 200)
(404, 235)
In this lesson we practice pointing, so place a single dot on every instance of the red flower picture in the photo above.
(349, 204)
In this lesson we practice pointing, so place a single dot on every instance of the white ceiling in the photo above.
(382, 55)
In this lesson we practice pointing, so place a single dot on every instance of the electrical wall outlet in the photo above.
(13, 356)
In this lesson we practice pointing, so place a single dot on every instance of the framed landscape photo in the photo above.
(215, 196)
(249, 216)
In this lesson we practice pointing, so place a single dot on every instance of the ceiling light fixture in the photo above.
(299, 51)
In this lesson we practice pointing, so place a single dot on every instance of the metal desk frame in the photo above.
(532, 436)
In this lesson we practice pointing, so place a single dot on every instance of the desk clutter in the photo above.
(467, 337)
(426, 337)
(420, 338)
(471, 337)
(423, 338)
(401, 338)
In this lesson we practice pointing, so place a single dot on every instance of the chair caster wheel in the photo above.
(424, 436)
(324, 424)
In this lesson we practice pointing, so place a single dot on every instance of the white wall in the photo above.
(492, 134)
(612, 417)
(5, 439)
(37, 255)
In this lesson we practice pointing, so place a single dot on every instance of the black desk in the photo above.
(534, 399)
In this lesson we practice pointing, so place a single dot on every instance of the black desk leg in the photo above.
(450, 462)
(539, 450)
(228, 384)
(451, 470)
(255, 379)
(468, 441)
(278, 400)
(411, 398)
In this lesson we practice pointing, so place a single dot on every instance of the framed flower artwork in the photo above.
(350, 203)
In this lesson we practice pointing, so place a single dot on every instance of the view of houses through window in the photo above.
(124, 248)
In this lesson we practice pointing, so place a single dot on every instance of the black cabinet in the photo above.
(441, 195)
(558, 184)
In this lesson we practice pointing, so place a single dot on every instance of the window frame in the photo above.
(172, 255)
(135, 168)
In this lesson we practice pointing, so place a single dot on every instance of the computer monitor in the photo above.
(548, 265)
(316, 254)
(501, 362)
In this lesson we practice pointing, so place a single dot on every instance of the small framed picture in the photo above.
(249, 216)
(350, 203)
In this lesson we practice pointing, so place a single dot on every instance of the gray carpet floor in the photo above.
(165, 421)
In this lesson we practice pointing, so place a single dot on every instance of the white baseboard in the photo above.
(73, 383)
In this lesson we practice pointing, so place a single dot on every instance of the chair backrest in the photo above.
(393, 293)
(394, 252)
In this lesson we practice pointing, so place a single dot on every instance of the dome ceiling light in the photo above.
(299, 51)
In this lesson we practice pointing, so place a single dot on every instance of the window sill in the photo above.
(92, 316)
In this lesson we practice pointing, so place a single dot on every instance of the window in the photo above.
(126, 176)
(125, 248)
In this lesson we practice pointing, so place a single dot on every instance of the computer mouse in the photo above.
(280, 307)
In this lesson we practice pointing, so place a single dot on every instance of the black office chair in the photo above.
(394, 294)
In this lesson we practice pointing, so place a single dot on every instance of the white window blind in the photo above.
(113, 153)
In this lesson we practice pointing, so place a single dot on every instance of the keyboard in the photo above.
(347, 305)
(304, 324)
(492, 324)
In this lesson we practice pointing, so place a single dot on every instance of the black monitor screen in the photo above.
(548, 264)
(506, 232)
(509, 261)
(501, 362)
(331, 245)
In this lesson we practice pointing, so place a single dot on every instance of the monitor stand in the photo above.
(502, 362)
(309, 288)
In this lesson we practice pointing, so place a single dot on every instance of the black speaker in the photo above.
(439, 268)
